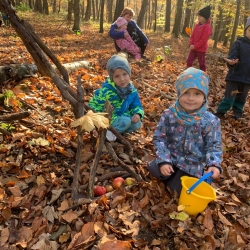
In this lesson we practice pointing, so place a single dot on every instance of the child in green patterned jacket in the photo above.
(123, 96)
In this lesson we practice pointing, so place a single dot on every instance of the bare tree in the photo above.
(45, 7)
(110, 10)
(76, 25)
(155, 15)
(88, 11)
(236, 22)
(101, 16)
(187, 17)
(144, 6)
(178, 17)
(118, 8)
(167, 16)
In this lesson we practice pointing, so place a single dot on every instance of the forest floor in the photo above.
(37, 159)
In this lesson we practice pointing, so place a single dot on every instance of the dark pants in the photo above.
(235, 98)
(201, 59)
(173, 181)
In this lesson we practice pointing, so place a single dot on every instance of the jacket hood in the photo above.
(244, 38)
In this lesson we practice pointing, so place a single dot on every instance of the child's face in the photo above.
(128, 17)
(121, 78)
(124, 26)
(192, 100)
(247, 32)
(201, 19)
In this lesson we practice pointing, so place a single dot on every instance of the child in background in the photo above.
(199, 38)
(126, 43)
(122, 95)
(238, 76)
(187, 139)
(137, 35)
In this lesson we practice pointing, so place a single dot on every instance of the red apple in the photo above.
(99, 190)
(117, 182)
(130, 181)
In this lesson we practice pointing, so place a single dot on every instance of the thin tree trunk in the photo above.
(236, 22)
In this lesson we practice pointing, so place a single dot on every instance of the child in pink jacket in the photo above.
(127, 44)
(199, 38)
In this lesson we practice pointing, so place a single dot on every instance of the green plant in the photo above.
(23, 7)
(6, 126)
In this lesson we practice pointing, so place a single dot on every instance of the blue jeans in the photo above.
(123, 124)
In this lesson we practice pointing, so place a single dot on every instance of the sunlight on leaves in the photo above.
(91, 120)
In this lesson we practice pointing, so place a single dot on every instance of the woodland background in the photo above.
(38, 153)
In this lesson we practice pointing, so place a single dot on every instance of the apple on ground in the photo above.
(99, 190)
(117, 182)
(130, 181)
(109, 188)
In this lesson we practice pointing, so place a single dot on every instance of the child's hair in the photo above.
(117, 62)
(192, 78)
(121, 21)
(129, 11)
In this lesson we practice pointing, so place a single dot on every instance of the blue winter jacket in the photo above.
(240, 72)
(190, 148)
(134, 31)
(128, 107)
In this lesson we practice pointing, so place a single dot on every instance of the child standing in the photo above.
(187, 139)
(199, 38)
(238, 76)
(122, 95)
(126, 43)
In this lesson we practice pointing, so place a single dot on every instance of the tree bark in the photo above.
(144, 6)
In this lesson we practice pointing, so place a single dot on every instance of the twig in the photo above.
(80, 113)
(123, 165)
(5, 132)
(15, 116)
(108, 108)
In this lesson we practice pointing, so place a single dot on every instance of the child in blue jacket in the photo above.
(238, 76)
(122, 95)
(187, 139)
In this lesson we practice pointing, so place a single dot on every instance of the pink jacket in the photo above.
(200, 36)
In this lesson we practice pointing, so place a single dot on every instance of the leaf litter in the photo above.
(36, 210)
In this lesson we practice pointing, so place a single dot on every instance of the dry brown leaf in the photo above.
(116, 245)
(208, 220)
(70, 216)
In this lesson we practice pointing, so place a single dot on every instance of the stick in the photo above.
(123, 165)
(80, 113)
(15, 116)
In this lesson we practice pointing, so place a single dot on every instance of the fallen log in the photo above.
(18, 72)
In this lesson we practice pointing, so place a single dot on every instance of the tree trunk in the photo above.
(236, 22)
(88, 11)
(101, 16)
(54, 7)
(45, 7)
(178, 17)
(218, 25)
(76, 25)
(70, 10)
(93, 9)
(118, 9)
(155, 15)
(187, 17)
(144, 6)
(38, 6)
(247, 8)
(167, 16)
(110, 10)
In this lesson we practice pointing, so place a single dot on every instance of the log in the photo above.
(18, 72)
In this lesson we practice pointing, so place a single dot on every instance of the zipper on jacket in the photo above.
(185, 139)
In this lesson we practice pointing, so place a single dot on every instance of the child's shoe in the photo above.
(220, 115)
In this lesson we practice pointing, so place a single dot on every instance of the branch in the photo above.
(15, 116)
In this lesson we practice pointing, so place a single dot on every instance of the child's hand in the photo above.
(95, 133)
(136, 118)
(231, 61)
(166, 169)
(191, 47)
(215, 170)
